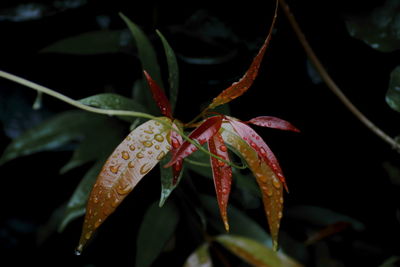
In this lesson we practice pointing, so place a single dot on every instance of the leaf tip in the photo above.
(78, 250)
(275, 245)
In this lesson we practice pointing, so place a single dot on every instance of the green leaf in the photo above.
(53, 133)
(240, 223)
(148, 59)
(255, 253)
(199, 258)
(93, 146)
(393, 93)
(91, 43)
(156, 230)
(173, 71)
(321, 217)
(167, 177)
(77, 203)
(380, 28)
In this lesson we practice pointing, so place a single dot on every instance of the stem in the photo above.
(193, 162)
(329, 81)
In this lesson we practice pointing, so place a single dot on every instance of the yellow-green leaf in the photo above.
(199, 258)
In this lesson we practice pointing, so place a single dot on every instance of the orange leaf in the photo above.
(240, 87)
(271, 187)
(222, 174)
(141, 150)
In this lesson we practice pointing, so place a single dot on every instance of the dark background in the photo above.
(336, 162)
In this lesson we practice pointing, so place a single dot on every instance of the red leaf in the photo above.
(222, 174)
(141, 150)
(273, 122)
(159, 96)
(176, 142)
(201, 134)
(256, 142)
(240, 87)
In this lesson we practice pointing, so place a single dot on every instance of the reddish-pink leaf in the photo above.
(176, 142)
(273, 122)
(201, 134)
(271, 187)
(240, 87)
(256, 142)
(222, 174)
(159, 96)
(141, 150)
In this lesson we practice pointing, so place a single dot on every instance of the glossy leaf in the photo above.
(159, 96)
(93, 147)
(169, 180)
(255, 253)
(156, 230)
(148, 59)
(201, 134)
(240, 87)
(176, 142)
(240, 223)
(393, 93)
(199, 258)
(380, 28)
(173, 71)
(222, 174)
(77, 203)
(255, 141)
(53, 133)
(273, 122)
(91, 43)
(141, 150)
(271, 187)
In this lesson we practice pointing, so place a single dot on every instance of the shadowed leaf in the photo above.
(222, 174)
(393, 93)
(240, 87)
(167, 179)
(159, 96)
(271, 187)
(173, 71)
(199, 258)
(255, 253)
(141, 150)
(156, 230)
(273, 122)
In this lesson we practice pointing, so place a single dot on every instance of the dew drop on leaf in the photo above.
(132, 147)
(125, 155)
(139, 155)
(223, 148)
(161, 155)
(147, 143)
(144, 169)
(148, 131)
(114, 169)
(159, 137)
(276, 183)
(131, 164)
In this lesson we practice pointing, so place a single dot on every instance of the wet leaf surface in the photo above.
(159, 96)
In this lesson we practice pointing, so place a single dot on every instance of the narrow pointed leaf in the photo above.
(271, 187)
(113, 101)
(199, 258)
(173, 71)
(222, 174)
(53, 133)
(255, 253)
(168, 176)
(273, 122)
(201, 134)
(147, 57)
(159, 96)
(156, 230)
(77, 203)
(141, 150)
(176, 142)
(240, 87)
(255, 141)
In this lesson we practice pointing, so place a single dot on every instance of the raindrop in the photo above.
(124, 189)
(144, 169)
(257, 137)
(281, 200)
(159, 137)
(147, 137)
(223, 148)
(114, 204)
(114, 169)
(130, 164)
(148, 131)
(168, 147)
(132, 147)
(157, 123)
(276, 183)
(253, 145)
(78, 250)
(95, 200)
(97, 223)
(280, 215)
(128, 138)
(88, 235)
(108, 195)
(161, 155)
(263, 152)
(175, 143)
(147, 143)
(221, 163)
(139, 155)
(157, 147)
(125, 155)
(149, 152)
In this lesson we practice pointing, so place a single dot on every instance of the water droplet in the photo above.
(276, 183)
(281, 200)
(159, 137)
(125, 155)
(178, 166)
(114, 169)
(161, 155)
(88, 235)
(223, 148)
(128, 138)
(157, 123)
(147, 137)
(114, 204)
(97, 223)
(149, 152)
(108, 195)
(148, 131)
(130, 164)
(144, 169)
(90, 211)
(157, 147)
(124, 189)
(78, 250)
(253, 145)
(168, 147)
(263, 152)
(132, 147)
(147, 143)
(257, 137)
(221, 163)
(267, 190)
(280, 215)
(224, 191)
(139, 155)
(175, 143)
(95, 200)
(230, 139)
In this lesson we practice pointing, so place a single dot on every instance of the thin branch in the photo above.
(329, 81)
